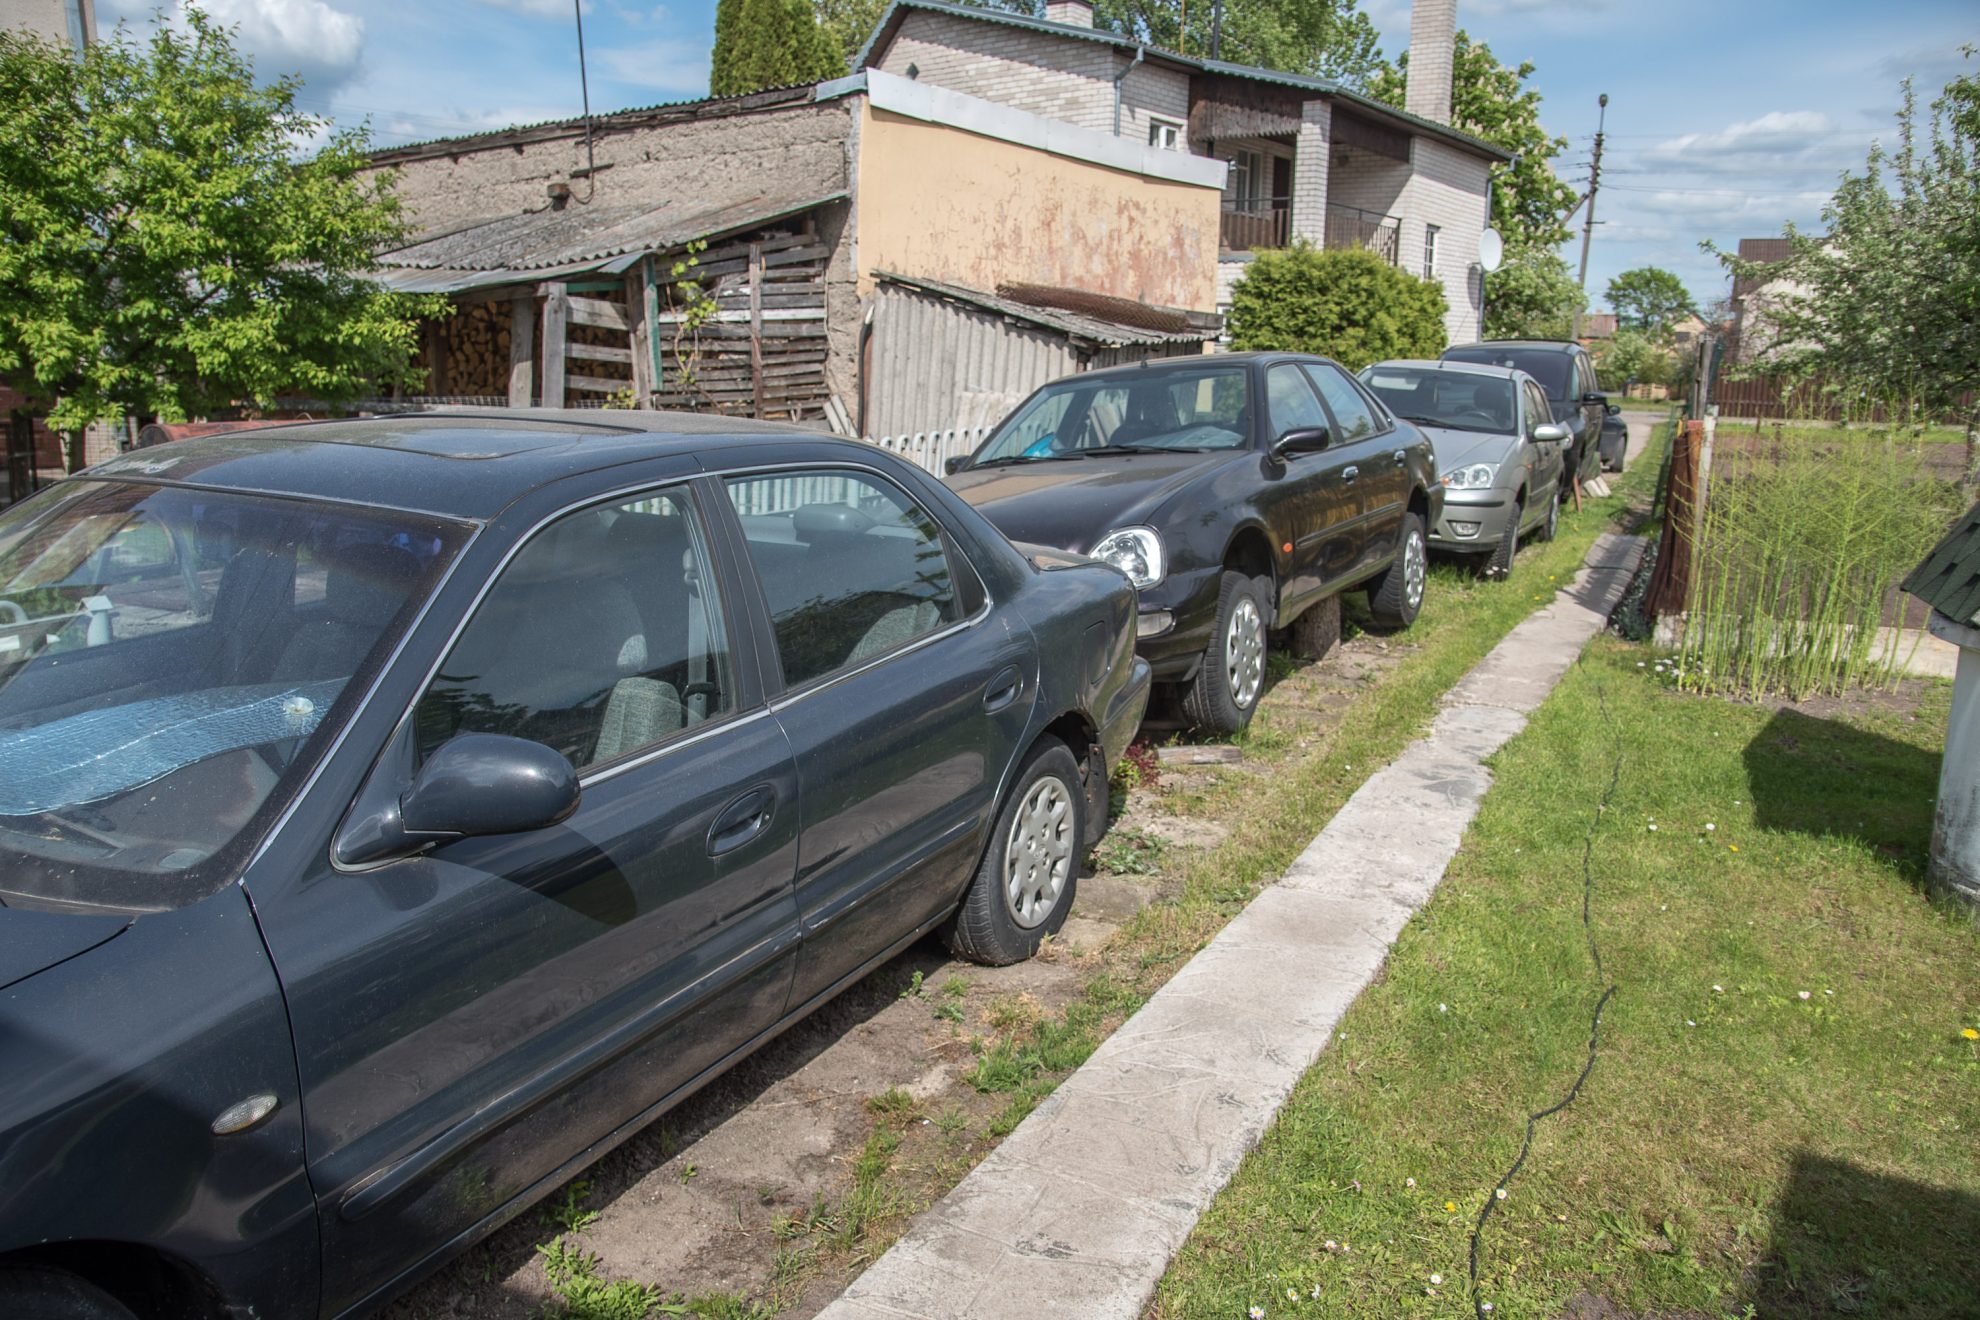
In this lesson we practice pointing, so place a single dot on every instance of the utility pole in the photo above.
(1217, 29)
(1594, 182)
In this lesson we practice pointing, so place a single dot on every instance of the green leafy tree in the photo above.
(1532, 296)
(1348, 304)
(850, 23)
(1884, 307)
(1650, 299)
(1491, 100)
(1324, 38)
(1635, 357)
(770, 43)
(165, 254)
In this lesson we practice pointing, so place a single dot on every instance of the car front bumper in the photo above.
(1472, 521)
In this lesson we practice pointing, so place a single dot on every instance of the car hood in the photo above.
(1456, 449)
(1072, 503)
(32, 941)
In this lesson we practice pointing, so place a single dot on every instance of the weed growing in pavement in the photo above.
(1129, 851)
(955, 987)
(568, 1213)
(913, 988)
(895, 1106)
(573, 1275)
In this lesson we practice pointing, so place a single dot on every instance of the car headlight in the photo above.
(1473, 476)
(1136, 551)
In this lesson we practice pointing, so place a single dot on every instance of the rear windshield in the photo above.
(172, 661)
(1554, 371)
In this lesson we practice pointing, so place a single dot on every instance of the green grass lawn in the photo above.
(1784, 1117)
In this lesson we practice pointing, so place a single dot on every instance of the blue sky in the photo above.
(1726, 117)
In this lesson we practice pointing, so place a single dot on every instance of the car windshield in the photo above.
(172, 660)
(1203, 408)
(1554, 371)
(1459, 400)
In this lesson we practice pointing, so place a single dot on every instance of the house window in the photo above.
(1245, 174)
(1429, 252)
(1164, 134)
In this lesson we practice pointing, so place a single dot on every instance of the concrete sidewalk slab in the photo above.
(1080, 1209)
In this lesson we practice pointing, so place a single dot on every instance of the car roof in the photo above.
(1551, 345)
(1456, 368)
(461, 463)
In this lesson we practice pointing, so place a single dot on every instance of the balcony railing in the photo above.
(1256, 222)
(1349, 227)
(1266, 222)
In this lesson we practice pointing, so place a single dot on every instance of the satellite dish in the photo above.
(1491, 250)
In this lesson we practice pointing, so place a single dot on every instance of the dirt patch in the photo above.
(1904, 699)
(1589, 1306)
(753, 1191)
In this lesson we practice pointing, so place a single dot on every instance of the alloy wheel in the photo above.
(1038, 853)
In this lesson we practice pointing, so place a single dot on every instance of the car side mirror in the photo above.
(954, 463)
(1550, 433)
(1594, 397)
(1302, 439)
(474, 784)
(1615, 410)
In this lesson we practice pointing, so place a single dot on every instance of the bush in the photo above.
(1349, 305)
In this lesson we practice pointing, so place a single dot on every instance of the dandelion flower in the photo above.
(1803, 994)
(1450, 1207)
(1970, 1033)
(1733, 847)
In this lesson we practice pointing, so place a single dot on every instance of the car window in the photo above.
(603, 636)
(1290, 404)
(1538, 414)
(850, 566)
(1183, 409)
(1351, 411)
(1555, 371)
(171, 662)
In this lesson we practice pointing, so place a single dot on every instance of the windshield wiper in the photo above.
(1142, 449)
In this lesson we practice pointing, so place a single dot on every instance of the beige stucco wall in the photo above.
(48, 18)
(942, 203)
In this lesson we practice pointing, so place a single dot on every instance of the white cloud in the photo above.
(534, 8)
(676, 67)
(307, 37)
(1772, 134)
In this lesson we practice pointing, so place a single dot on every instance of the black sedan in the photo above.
(398, 814)
(1241, 492)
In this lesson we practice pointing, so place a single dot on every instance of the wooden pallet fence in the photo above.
(761, 353)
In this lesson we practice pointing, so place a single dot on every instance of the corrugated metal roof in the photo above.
(1949, 579)
(1079, 325)
(550, 243)
(1256, 73)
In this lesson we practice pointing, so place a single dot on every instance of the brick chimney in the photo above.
(1073, 13)
(1432, 41)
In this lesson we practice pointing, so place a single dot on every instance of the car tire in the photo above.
(1318, 630)
(48, 1294)
(1397, 596)
(1499, 565)
(1552, 525)
(1231, 678)
(1023, 888)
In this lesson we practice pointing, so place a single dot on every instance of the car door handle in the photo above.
(1003, 689)
(742, 820)
(1402, 458)
(1349, 473)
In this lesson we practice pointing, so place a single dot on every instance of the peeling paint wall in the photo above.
(941, 203)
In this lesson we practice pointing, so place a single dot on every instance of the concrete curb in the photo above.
(1080, 1209)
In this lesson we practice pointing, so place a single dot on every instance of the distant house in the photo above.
(1308, 157)
(1754, 297)
(792, 209)
(1598, 326)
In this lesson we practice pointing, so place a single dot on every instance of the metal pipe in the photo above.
(1140, 53)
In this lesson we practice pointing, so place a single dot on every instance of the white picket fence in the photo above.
(932, 449)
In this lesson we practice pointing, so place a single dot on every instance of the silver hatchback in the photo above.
(1500, 455)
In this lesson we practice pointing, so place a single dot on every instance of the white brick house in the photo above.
(1308, 158)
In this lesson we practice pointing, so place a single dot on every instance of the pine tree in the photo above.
(769, 43)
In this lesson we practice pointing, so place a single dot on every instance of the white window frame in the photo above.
(1430, 252)
(1165, 134)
